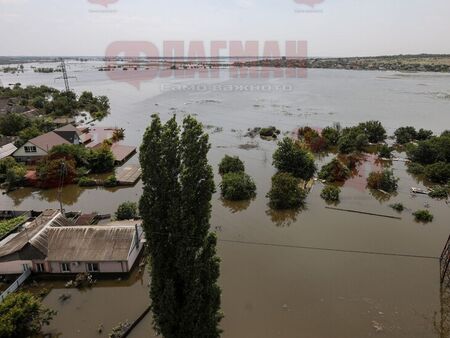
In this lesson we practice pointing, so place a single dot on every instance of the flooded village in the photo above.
(323, 262)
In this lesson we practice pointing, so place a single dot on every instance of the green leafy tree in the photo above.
(330, 193)
(423, 216)
(231, 164)
(23, 315)
(384, 180)
(335, 171)
(439, 192)
(101, 160)
(438, 172)
(53, 167)
(11, 172)
(361, 142)
(176, 209)
(405, 135)
(374, 131)
(331, 135)
(291, 158)
(77, 152)
(237, 186)
(285, 192)
(346, 144)
(424, 134)
(385, 151)
(11, 124)
(127, 210)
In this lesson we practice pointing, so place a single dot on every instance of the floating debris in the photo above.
(119, 330)
(64, 297)
(81, 280)
(377, 326)
(415, 190)
(249, 146)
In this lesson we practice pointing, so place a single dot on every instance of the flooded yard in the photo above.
(313, 273)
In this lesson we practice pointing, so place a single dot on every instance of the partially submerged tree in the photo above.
(285, 192)
(127, 210)
(335, 171)
(23, 315)
(330, 193)
(405, 135)
(374, 131)
(231, 164)
(291, 158)
(237, 187)
(385, 151)
(176, 207)
(384, 180)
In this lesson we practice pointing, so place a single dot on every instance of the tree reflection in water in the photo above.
(284, 218)
(236, 206)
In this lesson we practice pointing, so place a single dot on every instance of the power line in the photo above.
(327, 249)
(304, 247)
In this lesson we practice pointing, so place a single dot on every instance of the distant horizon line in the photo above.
(217, 57)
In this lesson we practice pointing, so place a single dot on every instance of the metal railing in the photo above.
(14, 286)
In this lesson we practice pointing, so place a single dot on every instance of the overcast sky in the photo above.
(331, 28)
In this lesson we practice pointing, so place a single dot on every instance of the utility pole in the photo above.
(61, 184)
(65, 77)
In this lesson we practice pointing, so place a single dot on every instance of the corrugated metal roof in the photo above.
(90, 244)
(7, 150)
(35, 233)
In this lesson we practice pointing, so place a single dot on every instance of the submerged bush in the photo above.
(397, 207)
(237, 187)
(285, 192)
(127, 210)
(86, 182)
(330, 193)
(423, 216)
(415, 168)
(231, 165)
(384, 180)
(269, 132)
(385, 151)
(335, 171)
(111, 181)
(439, 192)
(438, 172)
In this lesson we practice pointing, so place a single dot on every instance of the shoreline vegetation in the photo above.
(403, 63)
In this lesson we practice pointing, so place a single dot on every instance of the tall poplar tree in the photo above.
(176, 208)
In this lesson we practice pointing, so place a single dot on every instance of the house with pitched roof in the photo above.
(53, 244)
(38, 147)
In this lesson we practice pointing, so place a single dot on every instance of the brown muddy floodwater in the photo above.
(315, 273)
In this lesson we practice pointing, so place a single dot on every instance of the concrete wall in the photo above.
(134, 253)
(14, 267)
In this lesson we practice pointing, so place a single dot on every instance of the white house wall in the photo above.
(105, 267)
(21, 151)
(13, 267)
